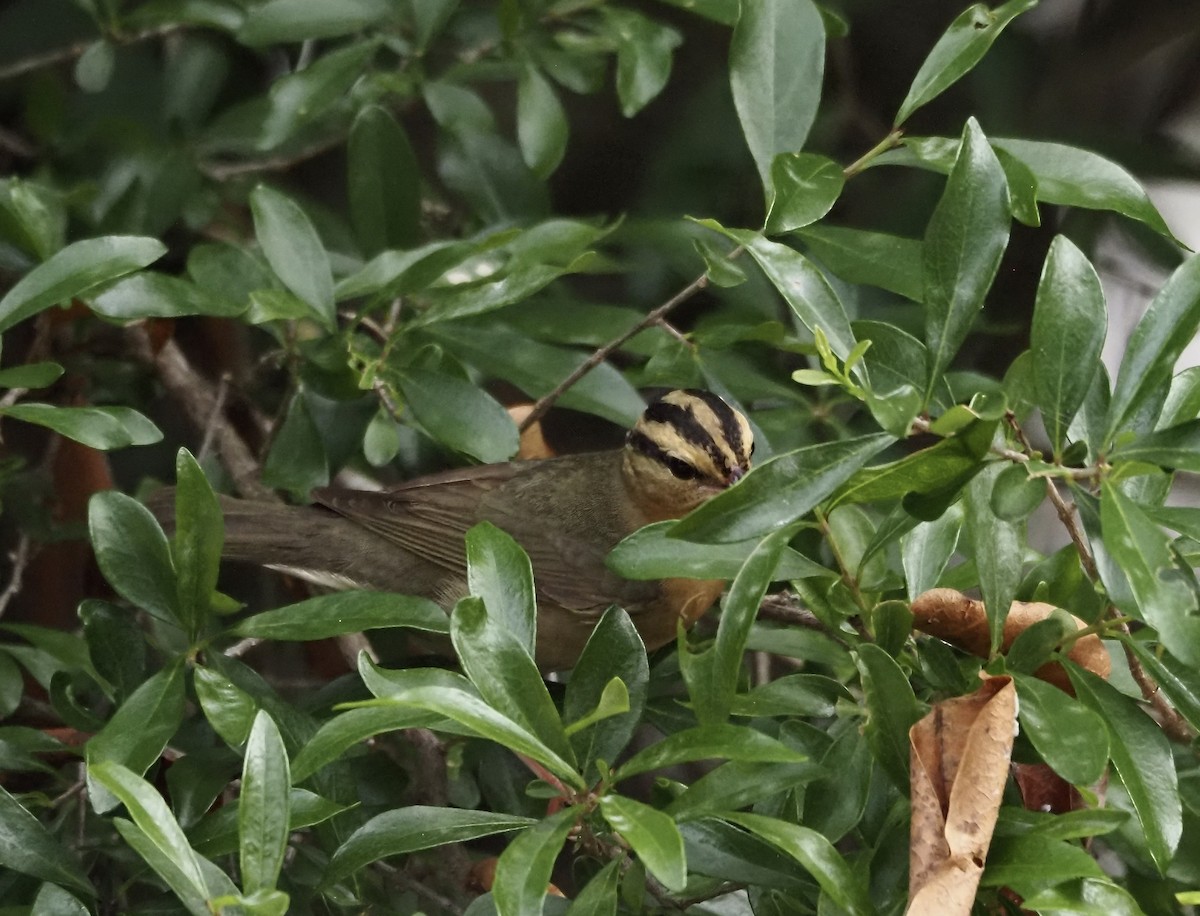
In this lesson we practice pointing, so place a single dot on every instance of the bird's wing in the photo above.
(427, 516)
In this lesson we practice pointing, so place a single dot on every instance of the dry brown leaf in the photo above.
(950, 615)
(960, 756)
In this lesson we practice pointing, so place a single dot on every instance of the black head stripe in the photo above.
(726, 415)
(640, 442)
(683, 421)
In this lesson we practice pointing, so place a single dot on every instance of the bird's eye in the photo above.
(680, 468)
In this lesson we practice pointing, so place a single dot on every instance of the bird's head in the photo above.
(687, 446)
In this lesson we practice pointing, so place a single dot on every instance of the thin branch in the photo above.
(19, 557)
(891, 141)
(218, 411)
(223, 171)
(242, 646)
(72, 51)
(13, 143)
(422, 890)
(782, 608)
(1175, 726)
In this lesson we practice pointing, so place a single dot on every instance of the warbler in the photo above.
(566, 512)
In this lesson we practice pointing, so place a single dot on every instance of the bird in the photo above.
(566, 512)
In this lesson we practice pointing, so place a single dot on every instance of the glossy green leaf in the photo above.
(803, 188)
(890, 262)
(345, 612)
(1084, 897)
(644, 49)
(892, 709)
(294, 251)
(217, 834)
(384, 182)
(153, 295)
(649, 553)
(1034, 861)
(1080, 178)
(1065, 825)
(791, 695)
(460, 415)
(614, 701)
(958, 50)
(31, 375)
(1161, 594)
(780, 491)
(73, 271)
(343, 731)
(1069, 321)
(52, 900)
(1176, 447)
(926, 550)
(541, 122)
(1016, 494)
(174, 874)
(525, 866)
(818, 857)
(998, 548)
(708, 742)
(504, 673)
(476, 715)
(297, 460)
(599, 896)
(263, 807)
(1022, 188)
(102, 428)
(1142, 755)
(802, 286)
(776, 66)
(152, 816)
(300, 98)
(196, 547)
(964, 241)
(229, 709)
(399, 272)
(405, 830)
(1180, 682)
(26, 846)
(1071, 738)
(737, 784)
(652, 835)
(300, 20)
(613, 650)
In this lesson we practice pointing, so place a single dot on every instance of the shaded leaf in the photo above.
(345, 612)
(652, 835)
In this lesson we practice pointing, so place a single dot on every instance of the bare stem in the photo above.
(20, 557)
(72, 51)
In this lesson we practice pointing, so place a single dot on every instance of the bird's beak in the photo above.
(735, 475)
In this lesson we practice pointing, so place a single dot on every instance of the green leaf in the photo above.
(279, 21)
(964, 241)
(345, 612)
(652, 835)
(1069, 321)
(1142, 755)
(31, 375)
(1022, 188)
(1016, 494)
(780, 491)
(1030, 862)
(541, 122)
(194, 898)
(926, 550)
(708, 742)
(1079, 178)
(998, 548)
(720, 850)
(294, 251)
(217, 834)
(614, 701)
(649, 553)
(297, 460)
(196, 547)
(802, 286)
(892, 709)
(26, 846)
(139, 730)
(599, 896)
(776, 67)
(475, 714)
(263, 807)
(1176, 447)
(152, 816)
(229, 709)
(740, 783)
(154, 295)
(505, 674)
(1067, 825)
(803, 188)
(1161, 594)
(613, 650)
(348, 729)
(73, 271)
(890, 262)
(643, 56)
(384, 182)
(1071, 738)
(958, 50)
(52, 900)
(405, 830)
(499, 572)
(525, 866)
(459, 414)
(818, 857)
(1180, 682)
(97, 427)
(1084, 897)
(300, 98)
